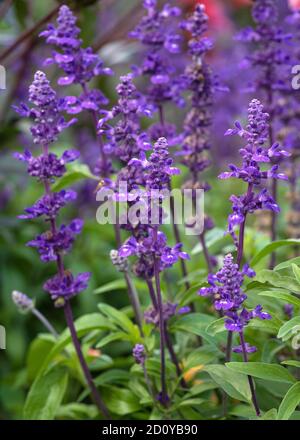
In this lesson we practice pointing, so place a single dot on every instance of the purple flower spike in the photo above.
(251, 172)
(79, 64)
(139, 354)
(22, 301)
(47, 123)
(228, 296)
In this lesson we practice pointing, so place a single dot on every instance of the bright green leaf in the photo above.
(277, 280)
(272, 372)
(296, 271)
(289, 329)
(234, 384)
(283, 296)
(289, 403)
(287, 264)
(215, 327)
(75, 173)
(271, 247)
(120, 401)
(113, 285)
(45, 395)
(292, 363)
(270, 415)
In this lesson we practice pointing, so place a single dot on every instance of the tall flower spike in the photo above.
(157, 33)
(254, 154)
(271, 65)
(125, 138)
(53, 244)
(201, 84)
(150, 247)
(48, 121)
(80, 66)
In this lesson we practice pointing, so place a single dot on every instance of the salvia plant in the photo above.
(191, 325)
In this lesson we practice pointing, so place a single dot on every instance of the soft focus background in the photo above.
(105, 25)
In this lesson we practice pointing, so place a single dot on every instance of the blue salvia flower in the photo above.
(47, 123)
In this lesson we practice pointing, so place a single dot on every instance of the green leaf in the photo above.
(289, 329)
(113, 285)
(191, 402)
(292, 363)
(234, 384)
(288, 263)
(284, 296)
(296, 271)
(270, 415)
(271, 247)
(77, 411)
(201, 356)
(272, 325)
(243, 411)
(195, 323)
(119, 318)
(114, 376)
(75, 173)
(272, 372)
(45, 395)
(120, 401)
(289, 403)
(112, 337)
(38, 350)
(277, 280)
(270, 349)
(83, 325)
(215, 327)
(189, 295)
(202, 387)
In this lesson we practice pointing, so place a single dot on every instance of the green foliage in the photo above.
(262, 370)
(74, 174)
(289, 403)
(46, 395)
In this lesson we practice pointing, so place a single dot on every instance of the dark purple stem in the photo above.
(97, 398)
(134, 299)
(205, 252)
(172, 207)
(240, 250)
(174, 356)
(69, 317)
(227, 359)
(99, 138)
(152, 294)
(274, 189)
(250, 379)
(148, 383)
(167, 336)
(164, 394)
